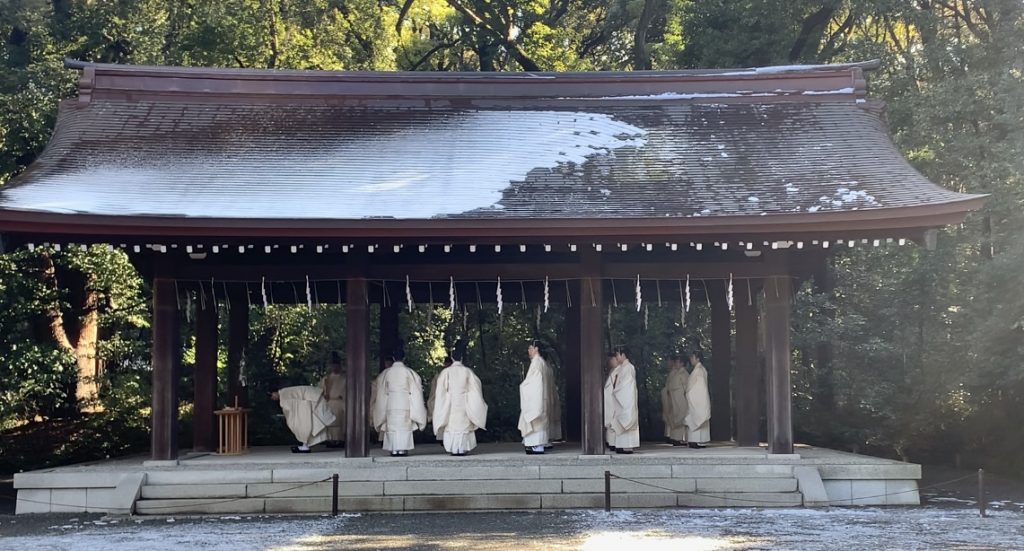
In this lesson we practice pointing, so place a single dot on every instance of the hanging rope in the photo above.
(639, 293)
(408, 293)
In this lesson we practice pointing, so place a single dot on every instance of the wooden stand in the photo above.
(234, 430)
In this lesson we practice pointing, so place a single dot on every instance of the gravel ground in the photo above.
(651, 530)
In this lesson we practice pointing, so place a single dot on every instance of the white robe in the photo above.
(398, 409)
(306, 412)
(534, 394)
(554, 404)
(432, 397)
(333, 387)
(698, 414)
(673, 404)
(621, 415)
(459, 408)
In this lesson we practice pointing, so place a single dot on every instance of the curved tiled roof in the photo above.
(679, 149)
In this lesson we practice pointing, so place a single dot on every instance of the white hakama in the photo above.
(621, 415)
(698, 414)
(398, 409)
(459, 408)
(306, 413)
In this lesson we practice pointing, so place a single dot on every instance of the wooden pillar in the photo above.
(720, 370)
(166, 363)
(572, 425)
(389, 335)
(357, 345)
(205, 377)
(748, 370)
(592, 359)
(777, 293)
(238, 340)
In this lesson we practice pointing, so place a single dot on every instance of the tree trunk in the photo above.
(641, 59)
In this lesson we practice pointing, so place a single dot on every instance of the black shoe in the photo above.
(678, 443)
(548, 446)
(396, 454)
(459, 454)
(531, 451)
(697, 446)
(669, 441)
(624, 451)
(296, 449)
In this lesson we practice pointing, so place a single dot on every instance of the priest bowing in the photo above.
(398, 408)
(459, 407)
(306, 413)
(621, 416)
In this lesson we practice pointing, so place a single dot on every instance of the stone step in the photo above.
(662, 485)
(463, 503)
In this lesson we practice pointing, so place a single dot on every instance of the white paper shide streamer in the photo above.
(309, 296)
(263, 289)
(687, 292)
(451, 294)
(728, 294)
(501, 306)
(639, 298)
(547, 295)
(408, 293)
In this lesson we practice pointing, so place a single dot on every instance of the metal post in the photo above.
(607, 491)
(981, 492)
(334, 494)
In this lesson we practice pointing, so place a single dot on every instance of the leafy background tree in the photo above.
(926, 346)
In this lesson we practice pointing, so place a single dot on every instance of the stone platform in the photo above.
(495, 476)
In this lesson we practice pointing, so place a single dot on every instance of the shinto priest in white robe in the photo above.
(459, 408)
(698, 415)
(306, 412)
(534, 402)
(621, 416)
(398, 407)
(673, 404)
(333, 386)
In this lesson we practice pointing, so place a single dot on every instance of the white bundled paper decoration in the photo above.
(309, 296)
(408, 293)
(547, 297)
(263, 289)
(522, 293)
(451, 295)
(728, 294)
(682, 306)
(501, 305)
(657, 285)
(687, 292)
(639, 297)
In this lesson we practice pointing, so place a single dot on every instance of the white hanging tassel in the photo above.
(547, 295)
(501, 306)
(263, 288)
(309, 296)
(451, 295)
(202, 296)
(728, 294)
(682, 306)
(750, 295)
(657, 285)
(568, 295)
(522, 291)
(687, 292)
(639, 297)
(615, 298)
(465, 317)
(408, 293)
